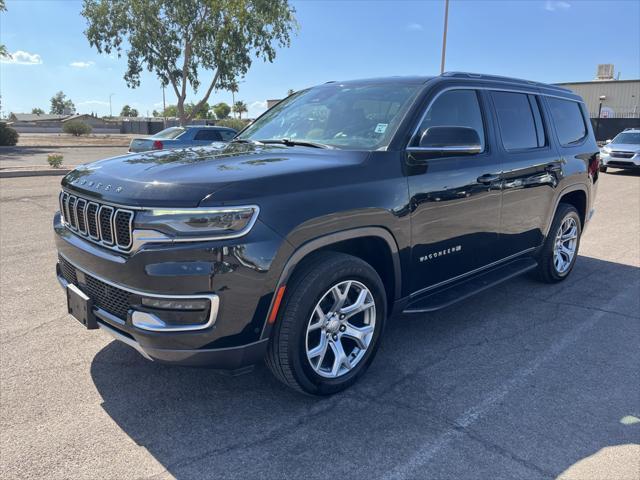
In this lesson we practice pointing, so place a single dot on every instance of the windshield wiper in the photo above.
(246, 140)
(292, 143)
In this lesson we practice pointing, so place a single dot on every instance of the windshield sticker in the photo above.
(381, 127)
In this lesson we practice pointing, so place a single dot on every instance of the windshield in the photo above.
(343, 116)
(169, 133)
(629, 138)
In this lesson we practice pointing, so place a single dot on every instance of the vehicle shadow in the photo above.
(198, 422)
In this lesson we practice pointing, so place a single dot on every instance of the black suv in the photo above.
(340, 206)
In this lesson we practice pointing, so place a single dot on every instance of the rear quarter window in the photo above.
(568, 120)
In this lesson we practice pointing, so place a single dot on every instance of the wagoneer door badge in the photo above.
(440, 253)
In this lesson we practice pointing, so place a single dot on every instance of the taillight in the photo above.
(157, 145)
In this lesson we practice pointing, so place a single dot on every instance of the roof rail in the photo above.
(500, 78)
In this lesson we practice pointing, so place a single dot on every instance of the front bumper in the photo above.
(230, 358)
(236, 273)
(612, 161)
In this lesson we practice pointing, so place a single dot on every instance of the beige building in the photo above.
(621, 97)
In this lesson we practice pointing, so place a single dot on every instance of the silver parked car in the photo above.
(182, 137)
(623, 151)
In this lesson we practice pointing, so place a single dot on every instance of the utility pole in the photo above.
(164, 109)
(110, 112)
(444, 35)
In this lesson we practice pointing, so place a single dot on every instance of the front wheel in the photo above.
(329, 329)
(560, 249)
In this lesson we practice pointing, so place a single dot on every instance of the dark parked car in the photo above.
(342, 205)
(182, 137)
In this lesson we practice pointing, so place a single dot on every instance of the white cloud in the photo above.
(256, 108)
(81, 64)
(553, 5)
(20, 57)
(93, 102)
(415, 27)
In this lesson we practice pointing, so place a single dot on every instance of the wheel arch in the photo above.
(576, 195)
(360, 242)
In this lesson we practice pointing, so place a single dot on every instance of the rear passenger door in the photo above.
(531, 169)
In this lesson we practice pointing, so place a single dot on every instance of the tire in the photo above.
(299, 325)
(550, 269)
(603, 169)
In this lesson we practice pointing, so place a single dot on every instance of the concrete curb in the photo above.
(42, 172)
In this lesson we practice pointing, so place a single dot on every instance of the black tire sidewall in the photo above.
(351, 269)
(564, 211)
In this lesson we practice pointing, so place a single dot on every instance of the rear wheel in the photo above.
(329, 329)
(560, 249)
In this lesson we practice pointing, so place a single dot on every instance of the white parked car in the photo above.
(623, 151)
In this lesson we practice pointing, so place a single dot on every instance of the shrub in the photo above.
(234, 123)
(55, 159)
(8, 135)
(77, 128)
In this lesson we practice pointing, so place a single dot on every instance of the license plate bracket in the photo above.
(81, 307)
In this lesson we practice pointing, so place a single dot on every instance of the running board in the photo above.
(450, 294)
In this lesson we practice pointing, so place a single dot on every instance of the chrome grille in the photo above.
(622, 154)
(103, 224)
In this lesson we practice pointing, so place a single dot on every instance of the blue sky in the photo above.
(549, 41)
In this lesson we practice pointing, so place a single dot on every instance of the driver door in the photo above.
(455, 195)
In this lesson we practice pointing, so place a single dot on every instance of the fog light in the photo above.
(165, 304)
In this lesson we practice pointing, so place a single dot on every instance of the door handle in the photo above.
(488, 178)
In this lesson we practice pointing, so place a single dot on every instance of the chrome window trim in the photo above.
(214, 301)
(484, 88)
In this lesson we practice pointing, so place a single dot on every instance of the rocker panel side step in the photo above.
(455, 292)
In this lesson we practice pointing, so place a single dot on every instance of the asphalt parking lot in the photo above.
(524, 381)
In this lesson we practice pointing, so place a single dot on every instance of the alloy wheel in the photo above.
(565, 245)
(340, 329)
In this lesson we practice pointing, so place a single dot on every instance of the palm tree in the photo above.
(233, 88)
(240, 107)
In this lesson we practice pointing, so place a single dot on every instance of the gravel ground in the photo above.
(524, 381)
(21, 156)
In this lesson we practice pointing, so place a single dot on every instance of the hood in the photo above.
(623, 147)
(183, 178)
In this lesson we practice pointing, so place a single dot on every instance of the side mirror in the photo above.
(461, 140)
(607, 142)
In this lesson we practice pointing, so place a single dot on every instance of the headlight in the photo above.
(606, 150)
(200, 223)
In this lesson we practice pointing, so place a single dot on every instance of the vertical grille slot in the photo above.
(106, 230)
(81, 205)
(71, 210)
(61, 200)
(122, 223)
(92, 220)
(65, 207)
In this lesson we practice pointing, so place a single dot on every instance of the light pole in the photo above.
(444, 35)
(602, 99)
(110, 112)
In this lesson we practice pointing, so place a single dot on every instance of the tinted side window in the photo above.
(209, 135)
(519, 120)
(568, 119)
(455, 108)
(227, 134)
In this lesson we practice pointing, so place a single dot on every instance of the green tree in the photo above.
(37, 111)
(203, 111)
(3, 49)
(221, 110)
(60, 104)
(177, 39)
(240, 107)
(170, 111)
(76, 128)
(156, 113)
(127, 111)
